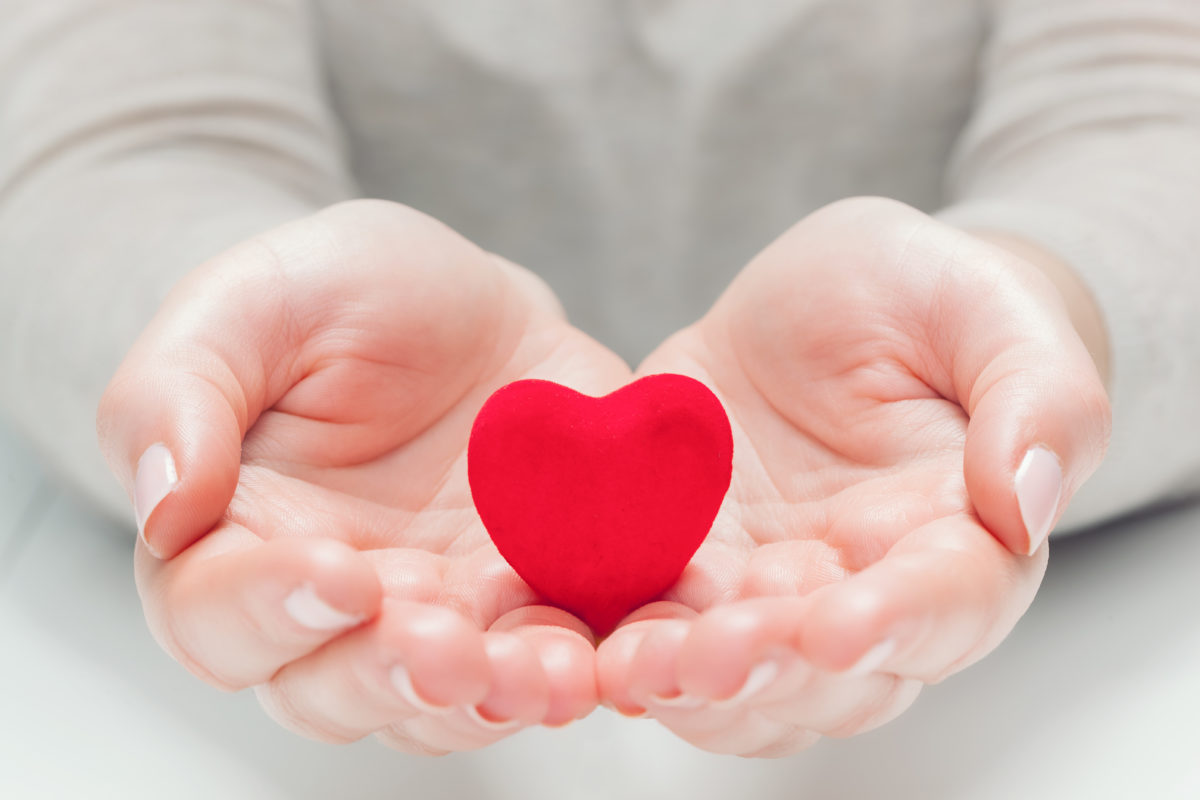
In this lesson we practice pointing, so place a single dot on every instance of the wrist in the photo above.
(1084, 311)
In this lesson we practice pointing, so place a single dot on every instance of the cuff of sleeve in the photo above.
(1151, 456)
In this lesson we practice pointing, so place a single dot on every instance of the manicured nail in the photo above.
(873, 659)
(155, 479)
(307, 608)
(1039, 488)
(492, 724)
(759, 678)
(678, 701)
(404, 685)
(640, 714)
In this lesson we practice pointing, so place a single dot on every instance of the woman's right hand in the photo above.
(292, 427)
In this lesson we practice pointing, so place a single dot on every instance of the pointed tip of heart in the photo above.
(604, 614)
(602, 627)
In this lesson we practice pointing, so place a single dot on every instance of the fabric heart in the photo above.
(599, 502)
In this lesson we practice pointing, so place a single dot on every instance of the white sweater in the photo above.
(635, 153)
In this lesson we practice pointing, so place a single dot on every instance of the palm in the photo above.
(371, 449)
(839, 451)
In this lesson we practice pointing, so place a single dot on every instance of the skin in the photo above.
(345, 356)
(884, 375)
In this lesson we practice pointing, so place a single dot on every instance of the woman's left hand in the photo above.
(912, 410)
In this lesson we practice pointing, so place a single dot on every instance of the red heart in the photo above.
(599, 502)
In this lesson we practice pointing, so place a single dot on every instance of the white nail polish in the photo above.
(873, 659)
(307, 608)
(402, 681)
(491, 724)
(155, 479)
(759, 678)
(1039, 489)
(678, 701)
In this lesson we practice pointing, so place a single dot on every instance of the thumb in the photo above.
(1039, 413)
(172, 420)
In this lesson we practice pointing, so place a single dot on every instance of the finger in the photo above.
(721, 657)
(179, 464)
(945, 596)
(653, 680)
(413, 660)
(237, 610)
(520, 691)
(484, 588)
(518, 697)
(567, 656)
(728, 725)
(1039, 412)
(1035, 436)
(770, 679)
(738, 651)
(626, 686)
(171, 421)
(613, 659)
(766, 717)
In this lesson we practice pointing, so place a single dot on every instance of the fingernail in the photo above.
(307, 608)
(873, 659)
(627, 713)
(155, 479)
(492, 724)
(678, 701)
(404, 685)
(1039, 487)
(760, 676)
